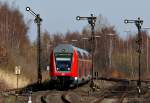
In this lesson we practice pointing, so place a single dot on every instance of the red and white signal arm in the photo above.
(17, 70)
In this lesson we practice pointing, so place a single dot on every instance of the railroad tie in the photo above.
(43, 99)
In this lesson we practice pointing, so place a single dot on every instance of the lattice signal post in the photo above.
(91, 20)
(138, 23)
(38, 21)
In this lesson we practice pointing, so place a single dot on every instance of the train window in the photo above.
(85, 72)
(79, 54)
(63, 65)
(79, 68)
(85, 56)
(85, 67)
(88, 57)
(90, 71)
(63, 61)
(80, 72)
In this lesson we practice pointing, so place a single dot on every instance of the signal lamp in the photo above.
(78, 18)
(125, 21)
(27, 8)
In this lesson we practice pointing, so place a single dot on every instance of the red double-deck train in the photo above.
(70, 65)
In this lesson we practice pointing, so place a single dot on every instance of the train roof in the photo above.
(69, 49)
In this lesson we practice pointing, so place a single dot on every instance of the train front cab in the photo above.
(63, 65)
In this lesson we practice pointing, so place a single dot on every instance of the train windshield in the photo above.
(63, 61)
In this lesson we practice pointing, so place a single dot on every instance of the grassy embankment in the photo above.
(8, 80)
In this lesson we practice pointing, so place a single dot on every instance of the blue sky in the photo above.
(59, 15)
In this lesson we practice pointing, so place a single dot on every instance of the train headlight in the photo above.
(76, 78)
(57, 68)
(68, 68)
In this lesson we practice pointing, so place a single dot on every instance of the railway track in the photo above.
(113, 94)
(57, 97)
(45, 96)
(10, 91)
(100, 97)
(65, 98)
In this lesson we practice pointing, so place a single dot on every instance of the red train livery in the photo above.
(70, 65)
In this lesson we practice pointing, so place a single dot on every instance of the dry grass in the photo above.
(45, 76)
(9, 81)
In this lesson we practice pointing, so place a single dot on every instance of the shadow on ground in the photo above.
(47, 85)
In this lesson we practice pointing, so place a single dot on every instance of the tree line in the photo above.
(112, 55)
